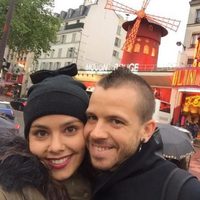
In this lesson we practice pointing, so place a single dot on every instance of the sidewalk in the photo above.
(5, 98)
(195, 163)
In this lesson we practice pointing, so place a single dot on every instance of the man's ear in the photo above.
(149, 129)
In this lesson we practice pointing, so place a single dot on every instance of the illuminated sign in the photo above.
(186, 77)
(196, 62)
(192, 104)
(104, 67)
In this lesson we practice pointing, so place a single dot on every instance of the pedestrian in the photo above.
(120, 137)
(54, 118)
(192, 124)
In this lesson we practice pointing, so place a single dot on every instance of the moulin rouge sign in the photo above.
(186, 77)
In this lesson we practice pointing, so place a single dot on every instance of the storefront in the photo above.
(11, 85)
(187, 113)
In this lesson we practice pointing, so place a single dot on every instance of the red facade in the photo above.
(14, 78)
(146, 46)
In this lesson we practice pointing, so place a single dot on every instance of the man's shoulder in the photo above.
(190, 190)
(173, 185)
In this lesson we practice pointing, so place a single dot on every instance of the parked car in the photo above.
(18, 104)
(6, 110)
(6, 124)
(22, 100)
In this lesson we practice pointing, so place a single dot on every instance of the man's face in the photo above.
(114, 131)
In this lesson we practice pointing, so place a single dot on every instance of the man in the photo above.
(119, 134)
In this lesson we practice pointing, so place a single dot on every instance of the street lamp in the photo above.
(179, 43)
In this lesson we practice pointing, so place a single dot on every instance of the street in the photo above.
(18, 114)
(20, 121)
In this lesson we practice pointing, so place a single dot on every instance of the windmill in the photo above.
(141, 15)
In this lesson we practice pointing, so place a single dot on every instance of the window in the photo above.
(70, 52)
(162, 112)
(43, 65)
(59, 53)
(137, 48)
(153, 53)
(46, 65)
(146, 49)
(116, 54)
(117, 42)
(66, 24)
(190, 61)
(67, 63)
(197, 20)
(70, 12)
(50, 65)
(52, 53)
(165, 107)
(73, 37)
(119, 30)
(58, 39)
(57, 65)
(63, 39)
(194, 39)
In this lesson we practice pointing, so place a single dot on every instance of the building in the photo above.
(191, 34)
(145, 49)
(16, 75)
(186, 80)
(89, 36)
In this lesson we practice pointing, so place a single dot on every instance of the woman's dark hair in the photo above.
(19, 168)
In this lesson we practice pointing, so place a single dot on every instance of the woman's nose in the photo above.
(56, 144)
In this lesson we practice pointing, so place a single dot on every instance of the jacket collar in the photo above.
(136, 164)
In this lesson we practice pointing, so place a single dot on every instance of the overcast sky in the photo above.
(175, 9)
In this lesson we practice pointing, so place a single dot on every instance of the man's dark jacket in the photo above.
(142, 177)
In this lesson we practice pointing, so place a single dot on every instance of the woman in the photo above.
(54, 118)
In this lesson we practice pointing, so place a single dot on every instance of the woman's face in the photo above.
(58, 141)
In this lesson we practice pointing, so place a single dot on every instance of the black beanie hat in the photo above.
(60, 94)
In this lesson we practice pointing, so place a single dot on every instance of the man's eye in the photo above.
(91, 117)
(116, 122)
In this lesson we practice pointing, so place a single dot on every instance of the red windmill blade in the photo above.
(168, 23)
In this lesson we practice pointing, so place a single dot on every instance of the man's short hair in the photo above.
(122, 76)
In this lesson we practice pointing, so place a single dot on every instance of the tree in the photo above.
(33, 27)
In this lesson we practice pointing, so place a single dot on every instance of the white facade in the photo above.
(191, 34)
(90, 35)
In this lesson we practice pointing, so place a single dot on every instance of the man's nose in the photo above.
(99, 131)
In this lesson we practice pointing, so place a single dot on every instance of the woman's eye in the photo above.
(71, 129)
(40, 133)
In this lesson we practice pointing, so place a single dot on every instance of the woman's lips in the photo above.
(59, 163)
